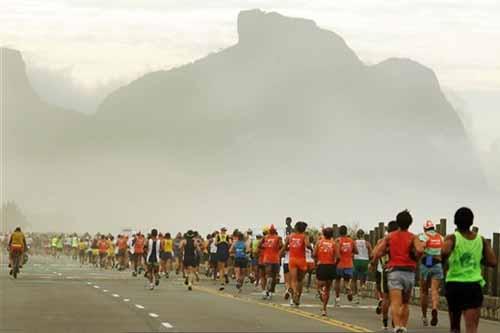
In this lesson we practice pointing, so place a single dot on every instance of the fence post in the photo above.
(444, 229)
(372, 238)
(381, 230)
(488, 275)
(376, 234)
(335, 228)
(496, 274)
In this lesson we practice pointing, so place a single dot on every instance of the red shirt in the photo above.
(139, 245)
(326, 252)
(103, 246)
(400, 247)
(346, 247)
(271, 249)
(297, 246)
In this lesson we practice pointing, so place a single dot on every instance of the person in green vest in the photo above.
(53, 246)
(465, 251)
(59, 246)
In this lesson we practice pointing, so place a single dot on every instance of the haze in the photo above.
(107, 45)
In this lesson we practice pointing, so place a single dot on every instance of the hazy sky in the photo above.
(94, 45)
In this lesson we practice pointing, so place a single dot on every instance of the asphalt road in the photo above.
(60, 296)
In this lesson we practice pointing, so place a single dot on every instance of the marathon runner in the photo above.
(177, 254)
(347, 249)
(240, 249)
(138, 254)
(431, 271)
(326, 254)
(361, 262)
(465, 250)
(296, 243)
(153, 259)
(271, 247)
(166, 260)
(222, 241)
(188, 248)
(404, 248)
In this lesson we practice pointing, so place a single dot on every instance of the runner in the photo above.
(177, 253)
(431, 272)
(403, 248)
(296, 243)
(271, 246)
(381, 281)
(168, 248)
(74, 247)
(347, 249)
(138, 245)
(223, 243)
(361, 261)
(153, 259)
(327, 255)
(103, 251)
(240, 249)
(465, 250)
(286, 273)
(110, 261)
(310, 264)
(258, 268)
(82, 248)
(59, 246)
(121, 244)
(188, 248)
(213, 255)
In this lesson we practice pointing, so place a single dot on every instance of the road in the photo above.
(60, 296)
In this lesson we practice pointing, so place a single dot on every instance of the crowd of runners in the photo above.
(302, 257)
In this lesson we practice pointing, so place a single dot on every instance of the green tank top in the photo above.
(465, 260)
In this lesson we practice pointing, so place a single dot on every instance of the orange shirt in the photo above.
(326, 252)
(103, 246)
(122, 244)
(139, 245)
(271, 249)
(346, 247)
(297, 246)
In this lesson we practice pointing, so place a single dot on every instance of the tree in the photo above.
(12, 217)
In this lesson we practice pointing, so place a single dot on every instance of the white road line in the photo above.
(104, 290)
(126, 300)
(116, 295)
(89, 283)
(167, 325)
(154, 315)
(97, 287)
(139, 306)
(59, 274)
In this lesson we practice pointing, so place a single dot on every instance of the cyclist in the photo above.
(17, 246)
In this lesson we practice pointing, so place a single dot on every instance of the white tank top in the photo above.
(286, 259)
(362, 250)
(213, 247)
(309, 257)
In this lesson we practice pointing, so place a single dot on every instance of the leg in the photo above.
(396, 297)
(455, 318)
(424, 295)
(471, 317)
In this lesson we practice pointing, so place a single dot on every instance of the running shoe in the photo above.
(379, 307)
(425, 321)
(337, 301)
(157, 282)
(434, 320)
(221, 288)
(323, 313)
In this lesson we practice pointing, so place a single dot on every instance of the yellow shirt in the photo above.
(17, 238)
(168, 245)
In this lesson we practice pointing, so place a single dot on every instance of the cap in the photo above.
(428, 225)
(223, 228)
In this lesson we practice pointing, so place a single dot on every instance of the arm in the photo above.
(448, 246)
(370, 248)
(380, 250)
(489, 256)
(354, 248)
(418, 245)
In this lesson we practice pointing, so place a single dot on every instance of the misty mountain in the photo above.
(289, 121)
(290, 91)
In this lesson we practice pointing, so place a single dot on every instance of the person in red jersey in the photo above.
(347, 250)
(296, 244)
(326, 254)
(271, 246)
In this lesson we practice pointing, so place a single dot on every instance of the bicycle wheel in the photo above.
(16, 266)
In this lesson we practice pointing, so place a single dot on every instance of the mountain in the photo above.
(32, 127)
(288, 121)
(290, 90)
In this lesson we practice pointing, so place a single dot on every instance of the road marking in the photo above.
(329, 321)
(167, 325)
(364, 307)
(126, 300)
(89, 283)
(104, 290)
(116, 295)
(59, 274)
(154, 315)
(139, 306)
(97, 287)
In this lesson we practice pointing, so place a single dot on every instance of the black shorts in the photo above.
(213, 258)
(166, 256)
(222, 257)
(463, 296)
(189, 261)
(241, 262)
(274, 268)
(381, 280)
(325, 272)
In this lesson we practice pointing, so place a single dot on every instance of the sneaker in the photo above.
(379, 307)
(425, 321)
(226, 279)
(323, 313)
(357, 300)
(270, 296)
(287, 295)
(337, 301)
(265, 294)
(349, 297)
(166, 275)
(186, 282)
(151, 286)
(10, 272)
(134, 273)
(434, 320)
(221, 288)
(157, 282)
(190, 287)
